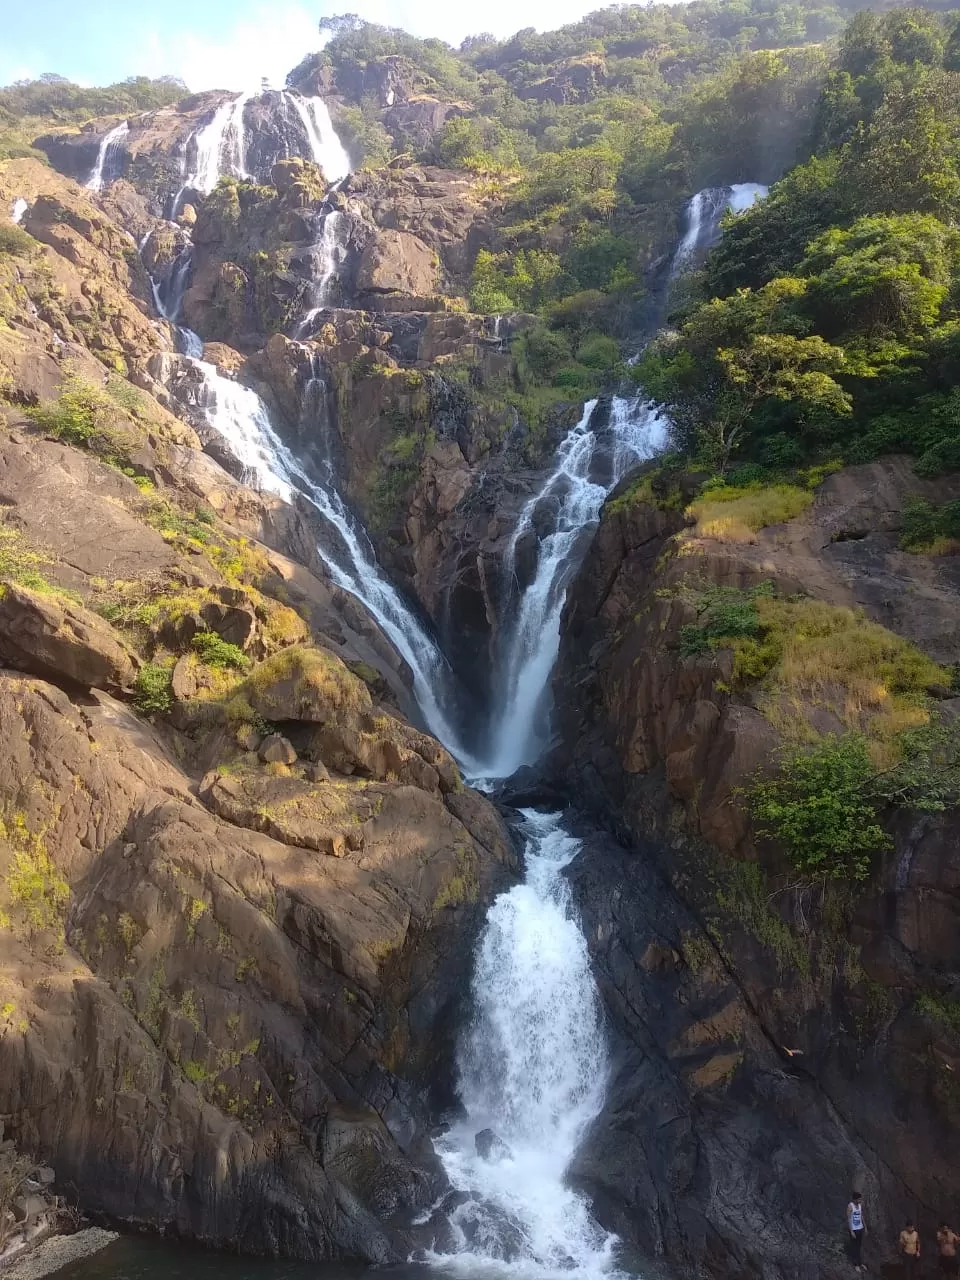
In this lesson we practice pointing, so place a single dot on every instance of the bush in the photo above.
(152, 692)
(87, 417)
(15, 241)
(216, 652)
(819, 808)
(929, 528)
(597, 351)
(546, 352)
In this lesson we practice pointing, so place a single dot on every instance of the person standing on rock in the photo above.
(909, 1250)
(857, 1228)
(947, 1240)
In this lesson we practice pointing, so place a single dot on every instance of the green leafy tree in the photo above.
(820, 809)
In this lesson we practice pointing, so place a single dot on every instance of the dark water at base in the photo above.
(147, 1258)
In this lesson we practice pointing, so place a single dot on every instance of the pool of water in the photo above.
(147, 1258)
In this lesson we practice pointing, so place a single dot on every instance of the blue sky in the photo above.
(228, 44)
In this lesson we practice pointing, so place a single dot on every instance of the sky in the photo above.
(228, 44)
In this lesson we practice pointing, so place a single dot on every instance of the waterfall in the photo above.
(20, 207)
(703, 214)
(328, 253)
(240, 417)
(111, 144)
(533, 1068)
(590, 461)
(218, 148)
(326, 149)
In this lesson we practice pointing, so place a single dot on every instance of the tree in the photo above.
(819, 808)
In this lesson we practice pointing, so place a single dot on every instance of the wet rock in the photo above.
(490, 1146)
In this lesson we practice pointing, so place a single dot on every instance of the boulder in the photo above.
(276, 749)
(396, 262)
(490, 1146)
(52, 636)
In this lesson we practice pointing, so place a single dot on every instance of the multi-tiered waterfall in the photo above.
(533, 1062)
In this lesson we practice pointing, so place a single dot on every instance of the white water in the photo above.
(110, 143)
(703, 215)
(329, 254)
(219, 147)
(533, 1067)
(326, 149)
(589, 464)
(20, 207)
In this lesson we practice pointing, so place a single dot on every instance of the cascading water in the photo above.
(217, 148)
(328, 253)
(220, 147)
(20, 207)
(111, 147)
(703, 214)
(326, 149)
(533, 1069)
(589, 463)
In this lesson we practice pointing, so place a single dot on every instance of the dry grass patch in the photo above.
(733, 514)
(814, 655)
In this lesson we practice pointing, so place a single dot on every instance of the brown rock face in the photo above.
(661, 745)
(227, 994)
(50, 635)
(396, 265)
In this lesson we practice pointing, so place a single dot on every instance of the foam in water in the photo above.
(532, 1067)
(110, 145)
(20, 207)
(589, 463)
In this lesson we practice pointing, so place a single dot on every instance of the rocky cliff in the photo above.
(749, 999)
(237, 888)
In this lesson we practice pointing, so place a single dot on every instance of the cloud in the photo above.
(265, 44)
(269, 40)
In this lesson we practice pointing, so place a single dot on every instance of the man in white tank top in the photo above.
(857, 1227)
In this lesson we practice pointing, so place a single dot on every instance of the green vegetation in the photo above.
(20, 564)
(216, 652)
(152, 691)
(939, 1009)
(927, 528)
(15, 242)
(734, 514)
(37, 892)
(825, 324)
(827, 803)
(90, 417)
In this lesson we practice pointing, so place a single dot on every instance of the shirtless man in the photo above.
(948, 1240)
(857, 1227)
(909, 1250)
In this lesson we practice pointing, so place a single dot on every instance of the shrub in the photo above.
(152, 692)
(217, 652)
(725, 613)
(14, 241)
(597, 351)
(735, 514)
(819, 808)
(929, 528)
(85, 416)
(37, 889)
